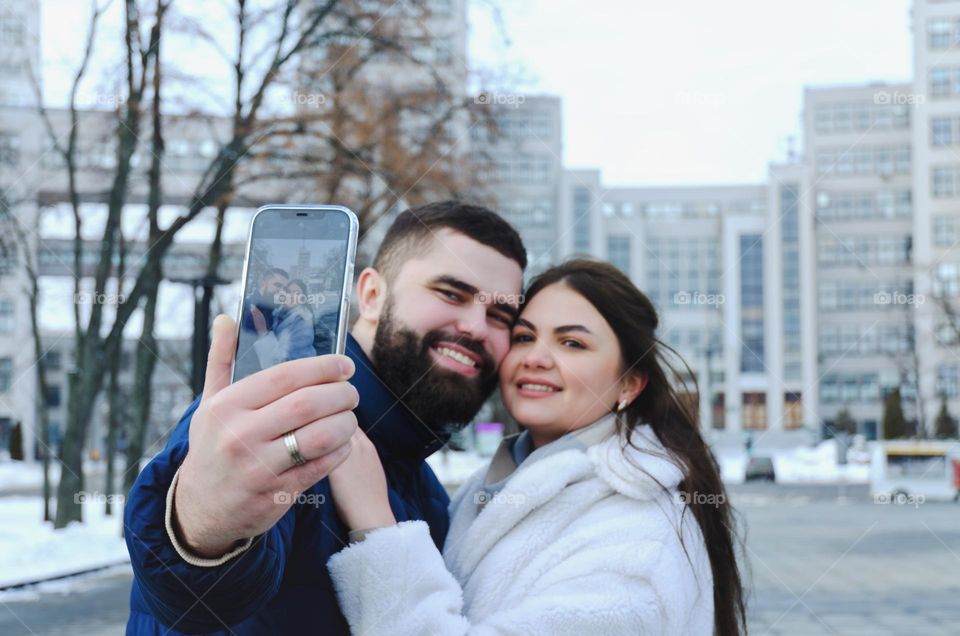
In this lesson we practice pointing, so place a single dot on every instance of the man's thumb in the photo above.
(223, 345)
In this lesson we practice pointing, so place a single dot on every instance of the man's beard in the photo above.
(434, 394)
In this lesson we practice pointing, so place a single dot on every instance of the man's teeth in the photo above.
(538, 387)
(459, 357)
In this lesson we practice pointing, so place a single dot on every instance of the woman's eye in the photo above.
(522, 337)
(572, 343)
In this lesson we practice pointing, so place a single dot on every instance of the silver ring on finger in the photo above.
(290, 441)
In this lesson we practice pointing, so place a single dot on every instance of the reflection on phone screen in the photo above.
(291, 302)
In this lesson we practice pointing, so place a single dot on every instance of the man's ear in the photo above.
(371, 294)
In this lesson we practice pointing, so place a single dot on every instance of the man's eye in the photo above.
(502, 319)
(449, 294)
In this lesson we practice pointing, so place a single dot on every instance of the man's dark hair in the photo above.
(275, 271)
(413, 229)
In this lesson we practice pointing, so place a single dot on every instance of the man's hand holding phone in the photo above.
(238, 461)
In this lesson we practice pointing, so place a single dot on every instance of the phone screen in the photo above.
(298, 276)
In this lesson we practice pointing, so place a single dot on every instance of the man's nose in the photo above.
(473, 321)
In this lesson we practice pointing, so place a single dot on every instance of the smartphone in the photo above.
(297, 279)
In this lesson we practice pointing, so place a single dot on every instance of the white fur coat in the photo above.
(580, 542)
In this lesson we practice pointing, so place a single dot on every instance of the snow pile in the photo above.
(454, 467)
(803, 464)
(31, 549)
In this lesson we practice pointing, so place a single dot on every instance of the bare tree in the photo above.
(371, 148)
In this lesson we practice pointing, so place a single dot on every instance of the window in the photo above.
(939, 82)
(11, 31)
(53, 396)
(941, 33)
(9, 149)
(581, 220)
(944, 181)
(618, 252)
(6, 316)
(52, 361)
(946, 282)
(792, 411)
(6, 374)
(941, 131)
(948, 380)
(944, 231)
(755, 411)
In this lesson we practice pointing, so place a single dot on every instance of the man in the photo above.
(259, 306)
(228, 531)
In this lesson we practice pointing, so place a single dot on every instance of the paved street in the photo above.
(823, 566)
(820, 565)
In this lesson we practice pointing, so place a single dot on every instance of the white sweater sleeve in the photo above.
(395, 582)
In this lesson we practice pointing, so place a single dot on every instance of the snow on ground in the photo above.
(803, 464)
(16, 476)
(31, 549)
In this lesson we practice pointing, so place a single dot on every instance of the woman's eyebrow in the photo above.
(566, 328)
(525, 323)
(558, 330)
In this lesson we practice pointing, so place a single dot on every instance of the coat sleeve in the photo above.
(185, 597)
(395, 582)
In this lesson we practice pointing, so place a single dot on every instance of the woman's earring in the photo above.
(623, 405)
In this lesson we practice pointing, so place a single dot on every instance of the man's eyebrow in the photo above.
(467, 288)
(456, 283)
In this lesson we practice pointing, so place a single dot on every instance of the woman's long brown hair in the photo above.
(634, 320)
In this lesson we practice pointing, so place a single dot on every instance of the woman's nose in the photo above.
(538, 356)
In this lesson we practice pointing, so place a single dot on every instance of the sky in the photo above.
(654, 93)
(689, 91)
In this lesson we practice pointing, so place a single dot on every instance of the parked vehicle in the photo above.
(760, 469)
(904, 470)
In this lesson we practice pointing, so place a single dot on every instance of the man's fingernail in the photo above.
(346, 366)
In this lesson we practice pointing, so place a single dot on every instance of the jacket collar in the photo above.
(395, 431)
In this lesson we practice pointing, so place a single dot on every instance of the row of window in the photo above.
(528, 214)
(683, 269)
(868, 387)
(856, 251)
(862, 161)
(518, 170)
(847, 295)
(841, 117)
(850, 205)
(519, 127)
(864, 339)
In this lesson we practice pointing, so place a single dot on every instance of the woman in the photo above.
(292, 334)
(606, 516)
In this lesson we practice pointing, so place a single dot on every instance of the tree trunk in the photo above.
(142, 394)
